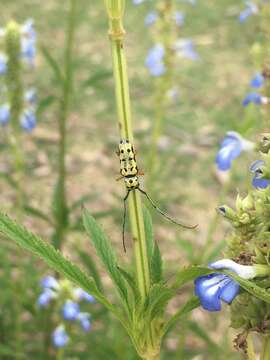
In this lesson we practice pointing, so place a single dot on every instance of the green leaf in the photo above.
(156, 266)
(105, 252)
(37, 213)
(190, 305)
(149, 235)
(132, 283)
(53, 65)
(52, 257)
(91, 267)
(44, 104)
(188, 274)
(158, 299)
(250, 287)
(97, 77)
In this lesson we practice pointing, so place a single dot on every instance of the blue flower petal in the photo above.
(260, 183)
(45, 298)
(257, 81)
(213, 288)
(252, 97)
(70, 310)
(4, 114)
(150, 18)
(227, 154)
(28, 120)
(60, 337)
(230, 291)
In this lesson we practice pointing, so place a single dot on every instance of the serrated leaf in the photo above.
(190, 305)
(250, 287)
(52, 257)
(188, 274)
(156, 265)
(53, 65)
(105, 253)
(149, 235)
(91, 267)
(132, 283)
(37, 213)
(157, 300)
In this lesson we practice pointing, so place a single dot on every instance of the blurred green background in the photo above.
(187, 184)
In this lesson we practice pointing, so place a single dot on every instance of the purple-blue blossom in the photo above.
(230, 148)
(49, 282)
(28, 42)
(250, 9)
(46, 297)
(179, 18)
(4, 114)
(257, 81)
(214, 288)
(84, 319)
(185, 49)
(259, 182)
(28, 120)
(3, 64)
(59, 337)
(255, 98)
(138, 2)
(79, 294)
(151, 18)
(31, 96)
(70, 310)
(155, 60)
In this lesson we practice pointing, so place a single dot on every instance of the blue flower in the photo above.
(3, 64)
(28, 42)
(257, 81)
(151, 18)
(31, 97)
(257, 169)
(185, 48)
(46, 297)
(4, 114)
(49, 282)
(214, 288)
(154, 60)
(179, 18)
(60, 337)
(84, 319)
(251, 9)
(230, 148)
(70, 310)
(254, 98)
(80, 295)
(138, 2)
(28, 120)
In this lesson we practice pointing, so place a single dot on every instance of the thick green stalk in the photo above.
(250, 348)
(62, 209)
(266, 348)
(116, 34)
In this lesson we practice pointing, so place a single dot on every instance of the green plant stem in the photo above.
(62, 209)
(250, 348)
(125, 127)
(266, 348)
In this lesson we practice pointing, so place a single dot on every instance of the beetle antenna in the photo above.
(164, 214)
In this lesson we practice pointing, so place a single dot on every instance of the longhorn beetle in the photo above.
(129, 172)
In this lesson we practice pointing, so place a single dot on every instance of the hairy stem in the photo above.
(125, 128)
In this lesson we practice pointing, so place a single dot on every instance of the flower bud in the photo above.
(227, 212)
